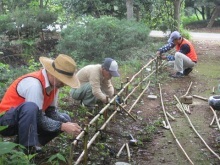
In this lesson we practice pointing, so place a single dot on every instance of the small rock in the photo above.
(153, 97)
(122, 163)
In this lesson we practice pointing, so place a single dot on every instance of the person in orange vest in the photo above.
(29, 106)
(185, 57)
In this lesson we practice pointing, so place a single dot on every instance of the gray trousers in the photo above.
(84, 94)
(182, 62)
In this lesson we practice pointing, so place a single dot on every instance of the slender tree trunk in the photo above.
(129, 6)
(41, 4)
(1, 6)
(176, 4)
(208, 12)
(214, 16)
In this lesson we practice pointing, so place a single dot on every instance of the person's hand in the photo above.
(163, 57)
(71, 128)
(158, 53)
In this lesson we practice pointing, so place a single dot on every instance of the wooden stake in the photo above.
(199, 97)
(119, 152)
(128, 152)
(192, 126)
(213, 119)
(139, 97)
(177, 141)
(126, 111)
(86, 137)
(216, 118)
(169, 115)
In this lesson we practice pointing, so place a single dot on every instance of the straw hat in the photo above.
(63, 68)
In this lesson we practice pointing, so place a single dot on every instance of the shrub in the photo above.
(93, 39)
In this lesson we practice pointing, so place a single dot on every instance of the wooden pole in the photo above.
(177, 141)
(126, 111)
(200, 97)
(86, 137)
(187, 92)
(128, 152)
(138, 98)
(216, 118)
(192, 126)
(119, 152)
(94, 138)
(169, 115)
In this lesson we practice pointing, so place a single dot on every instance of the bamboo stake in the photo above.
(178, 106)
(192, 126)
(177, 141)
(213, 90)
(126, 111)
(139, 97)
(200, 97)
(187, 92)
(86, 137)
(138, 85)
(94, 138)
(169, 115)
(216, 118)
(213, 119)
(128, 151)
(119, 152)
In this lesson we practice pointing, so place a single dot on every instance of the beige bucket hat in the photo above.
(63, 67)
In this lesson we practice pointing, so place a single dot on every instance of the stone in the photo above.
(122, 163)
(153, 97)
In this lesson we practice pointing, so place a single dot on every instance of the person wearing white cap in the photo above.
(29, 106)
(95, 82)
(185, 57)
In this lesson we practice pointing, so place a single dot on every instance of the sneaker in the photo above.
(33, 150)
(177, 75)
(187, 71)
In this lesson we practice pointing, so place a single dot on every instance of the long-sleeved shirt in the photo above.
(185, 48)
(100, 86)
(31, 89)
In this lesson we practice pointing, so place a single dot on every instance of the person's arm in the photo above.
(165, 48)
(185, 49)
(108, 88)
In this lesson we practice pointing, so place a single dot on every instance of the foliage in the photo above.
(93, 39)
(10, 153)
(26, 23)
(56, 159)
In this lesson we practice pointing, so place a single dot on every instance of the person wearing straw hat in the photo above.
(29, 105)
(95, 83)
(185, 57)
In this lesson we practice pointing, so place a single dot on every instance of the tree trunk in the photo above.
(129, 6)
(41, 4)
(214, 16)
(176, 4)
(1, 6)
(208, 12)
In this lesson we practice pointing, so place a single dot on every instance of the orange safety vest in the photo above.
(13, 99)
(192, 54)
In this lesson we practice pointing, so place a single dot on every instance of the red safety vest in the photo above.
(13, 99)
(192, 54)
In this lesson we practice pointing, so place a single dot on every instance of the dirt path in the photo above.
(194, 35)
(163, 149)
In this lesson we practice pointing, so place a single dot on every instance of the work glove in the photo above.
(118, 100)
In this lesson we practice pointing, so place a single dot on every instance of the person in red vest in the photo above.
(185, 57)
(29, 106)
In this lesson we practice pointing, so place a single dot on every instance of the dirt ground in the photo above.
(163, 148)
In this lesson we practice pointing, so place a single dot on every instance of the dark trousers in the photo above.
(22, 121)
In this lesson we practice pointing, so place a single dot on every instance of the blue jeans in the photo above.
(22, 121)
